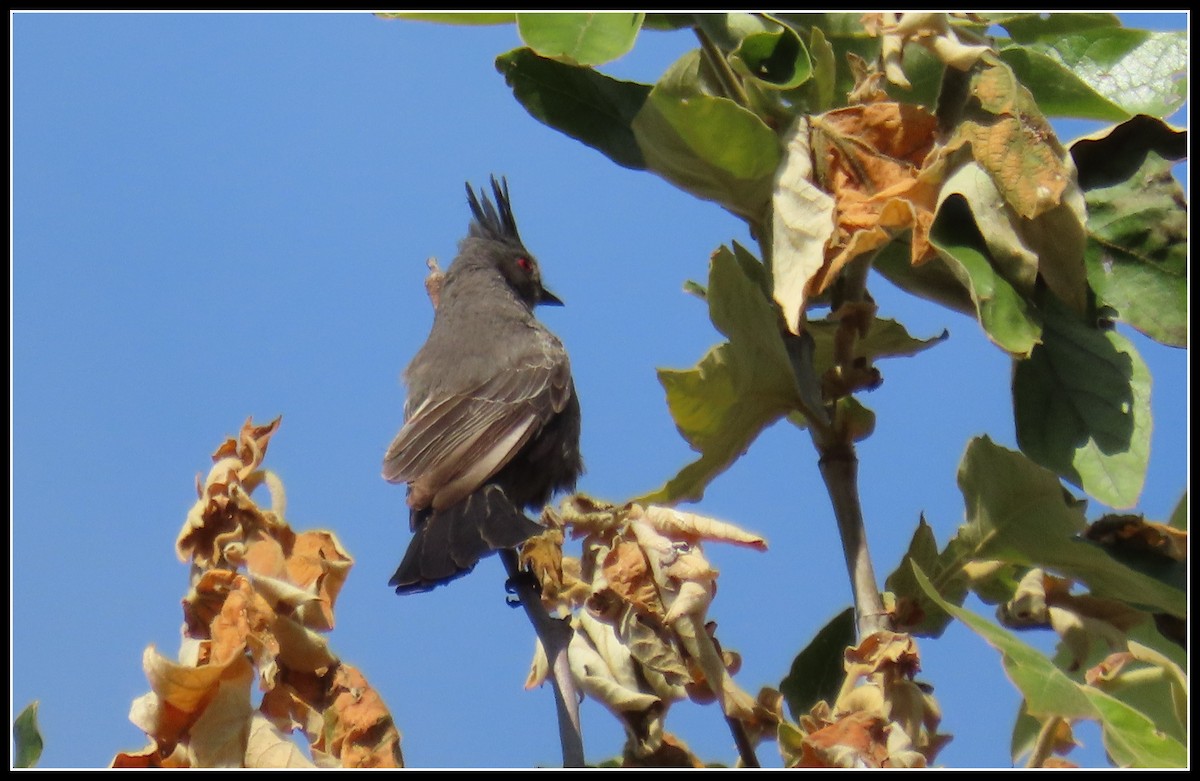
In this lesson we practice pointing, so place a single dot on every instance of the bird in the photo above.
(491, 419)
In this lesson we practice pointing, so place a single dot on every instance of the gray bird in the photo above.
(491, 420)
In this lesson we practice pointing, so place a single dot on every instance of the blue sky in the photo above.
(218, 216)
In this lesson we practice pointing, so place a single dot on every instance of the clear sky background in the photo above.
(218, 216)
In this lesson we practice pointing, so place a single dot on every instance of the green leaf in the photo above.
(933, 280)
(1018, 512)
(585, 105)
(728, 30)
(1081, 402)
(1047, 691)
(27, 738)
(777, 58)
(1056, 88)
(1179, 516)
(1137, 71)
(737, 389)
(824, 71)
(580, 39)
(708, 146)
(817, 671)
(916, 613)
(1050, 244)
(667, 21)
(1007, 318)
(1030, 27)
(453, 18)
(1137, 252)
(886, 339)
(1130, 738)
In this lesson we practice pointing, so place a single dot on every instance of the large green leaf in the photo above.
(737, 389)
(1056, 88)
(817, 672)
(578, 38)
(1136, 71)
(586, 105)
(1081, 403)
(1006, 316)
(1130, 738)
(1018, 512)
(709, 146)
(27, 738)
(1137, 224)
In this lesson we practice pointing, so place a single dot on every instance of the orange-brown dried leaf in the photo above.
(854, 740)
(289, 712)
(244, 623)
(150, 757)
(360, 729)
(629, 577)
(1029, 172)
(319, 565)
(223, 520)
(870, 159)
(250, 446)
(671, 752)
(264, 556)
(1134, 534)
(884, 651)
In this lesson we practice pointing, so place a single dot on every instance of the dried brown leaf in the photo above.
(692, 527)
(359, 728)
(1134, 534)
(628, 575)
(319, 564)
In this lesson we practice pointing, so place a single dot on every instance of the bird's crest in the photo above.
(493, 221)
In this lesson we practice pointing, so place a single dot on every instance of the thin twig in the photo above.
(730, 84)
(554, 634)
(742, 741)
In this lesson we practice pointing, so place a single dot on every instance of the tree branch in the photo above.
(839, 469)
(554, 634)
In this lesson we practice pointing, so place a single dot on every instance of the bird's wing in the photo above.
(452, 444)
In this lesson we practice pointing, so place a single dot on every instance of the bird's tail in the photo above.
(448, 543)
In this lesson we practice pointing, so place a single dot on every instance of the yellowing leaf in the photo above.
(219, 736)
(802, 226)
(266, 747)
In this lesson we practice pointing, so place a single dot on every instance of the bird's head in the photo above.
(495, 225)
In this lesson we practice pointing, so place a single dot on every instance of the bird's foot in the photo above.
(514, 585)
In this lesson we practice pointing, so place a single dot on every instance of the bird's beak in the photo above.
(549, 298)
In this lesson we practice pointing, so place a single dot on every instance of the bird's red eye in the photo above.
(525, 265)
